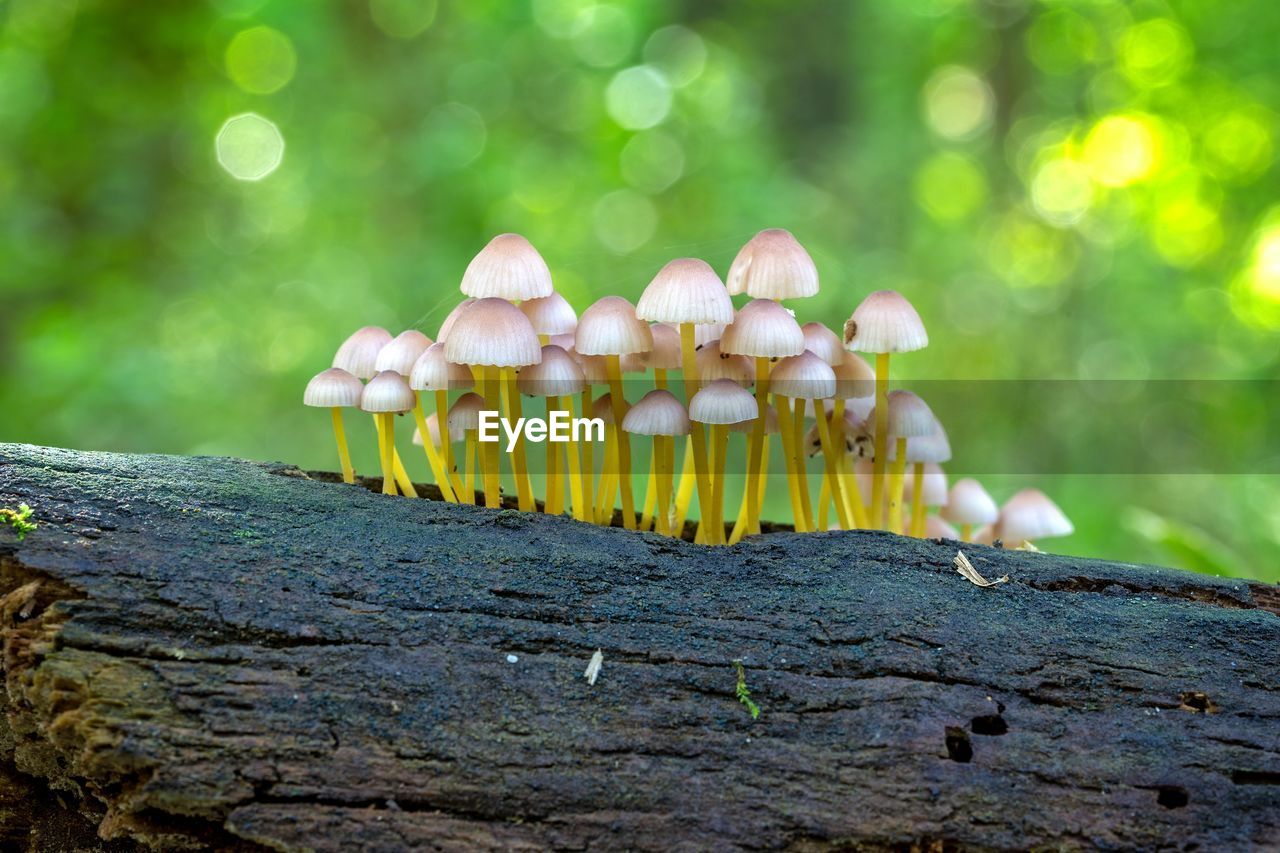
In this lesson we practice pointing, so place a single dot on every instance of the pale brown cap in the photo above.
(804, 377)
(969, 503)
(933, 448)
(1030, 515)
(823, 343)
(594, 367)
(909, 416)
(333, 388)
(763, 329)
(557, 375)
(443, 334)
(610, 327)
(934, 486)
(388, 392)
(433, 427)
(705, 333)
(722, 402)
(550, 315)
(854, 378)
(686, 290)
(403, 350)
(464, 414)
(885, 322)
(657, 413)
(773, 265)
(665, 354)
(492, 332)
(508, 268)
(358, 354)
(712, 364)
(565, 341)
(431, 372)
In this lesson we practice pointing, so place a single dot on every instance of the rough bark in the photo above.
(216, 653)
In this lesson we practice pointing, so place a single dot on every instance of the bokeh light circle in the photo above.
(402, 19)
(651, 161)
(678, 52)
(638, 97)
(249, 147)
(260, 60)
(625, 220)
(958, 104)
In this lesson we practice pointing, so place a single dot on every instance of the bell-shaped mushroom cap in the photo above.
(934, 486)
(388, 392)
(712, 364)
(358, 354)
(492, 332)
(937, 528)
(804, 377)
(934, 447)
(433, 427)
(705, 333)
(464, 414)
(1030, 515)
(431, 372)
(333, 388)
(508, 268)
(969, 503)
(770, 423)
(657, 413)
(632, 362)
(403, 350)
(665, 354)
(550, 315)
(686, 290)
(909, 416)
(610, 327)
(722, 402)
(602, 408)
(763, 329)
(823, 343)
(885, 322)
(557, 375)
(855, 378)
(773, 265)
(447, 326)
(595, 370)
(565, 341)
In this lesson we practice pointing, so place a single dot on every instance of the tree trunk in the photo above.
(213, 653)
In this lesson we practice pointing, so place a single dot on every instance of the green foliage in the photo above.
(743, 693)
(19, 520)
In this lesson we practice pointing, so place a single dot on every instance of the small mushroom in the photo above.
(557, 378)
(660, 415)
(969, 505)
(720, 404)
(335, 389)
(387, 395)
(1030, 515)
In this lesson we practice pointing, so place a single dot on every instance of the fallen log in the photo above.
(212, 653)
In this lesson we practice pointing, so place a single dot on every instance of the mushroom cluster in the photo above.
(754, 371)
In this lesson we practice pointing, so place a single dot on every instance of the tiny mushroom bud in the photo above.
(335, 389)
(1030, 515)
(387, 395)
(507, 268)
(550, 315)
(969, 505)
(773, 265)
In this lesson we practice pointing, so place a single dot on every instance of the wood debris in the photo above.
(966, 570)
(593, 668)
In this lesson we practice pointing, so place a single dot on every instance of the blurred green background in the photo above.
(1064, 189)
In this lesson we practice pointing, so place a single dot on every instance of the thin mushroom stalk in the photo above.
(434, 459)
(897, 484)
(720, 446)
(490, 461)
(386, 445)
(802, 472)
(919, 517)
(519, 458)
(622, 442)
(469, 456)
(446, 450)
(831, 468)
(344, 454)
(740, 526)
(587, 454)
(786, 425)
(755, 446)
(881, 441)
(697, 435)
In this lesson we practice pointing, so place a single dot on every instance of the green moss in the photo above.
(743, 693)
(19, 520)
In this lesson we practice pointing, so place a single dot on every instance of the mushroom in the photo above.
(594, 373)
(714, 364)
(358, 355)
(432, 373)
(927, 490)
(800, 378)
(464, 420)
(720, 404)
(401, 352)
(884, 323)
(550, 316)
(387, 395)
(1030, 515)
(906, 416)
(664, 356)
(492, 334)
(335, 389)
(764, 331)
(687, 293)
(660, 415)
(922, 452)
(557, 378)
(771, 427)
(507, 268)
(773, 265)
(611, 328)
(602, 408)
(855, 383)
(969, 505)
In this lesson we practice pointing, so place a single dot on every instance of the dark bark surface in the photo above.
(216, 653)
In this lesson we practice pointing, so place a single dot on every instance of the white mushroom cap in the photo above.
(447, 325)
(557, 375)
(686, 290)
(431, 372)
(712, 364)
(550, 315)
(855, 379)
(823, 343)
(908, 416)
(773, 265)
(565, 341)
(935, 447)
(333, 388)
(705, 333)
(665, 354)
(388, 392)
(934, 486)
(763, 329)
(722, 402)
(969, 503)
(610, 327)
(464, 414)
(804, 377)
(492, 332)
(433, 427)
(508, 268)
(358, 354)
(885, 322)
(402, 351)
(657, 413)
(1030, 515)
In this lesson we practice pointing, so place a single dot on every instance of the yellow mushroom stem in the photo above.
(786, 425)
(587, 449)
(755, 445)
(919, 515)
(848, 482)
(608, 484)
(489, 465)
(740, 526)
(399, 476)
(446, 448)
(385, 433)
(802, 466)
(697, 435)
(469, 481)
(881, 442)
(519, 458)
(897, 482)
(660, 379)
(662, 521)
(573, 452)
(720, 442)
(650, 494)
(613, 369)
(684, 492)
(553, 504)
(966, 533)
(433, 455)
(824, 506)
(344, 454)
(831, 470)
